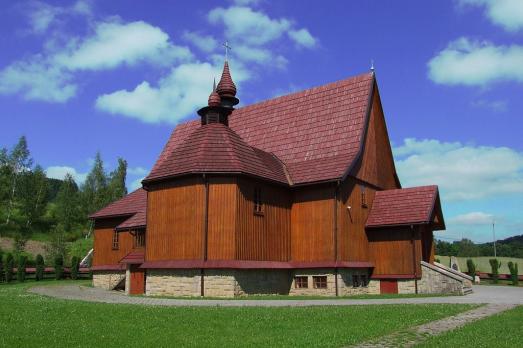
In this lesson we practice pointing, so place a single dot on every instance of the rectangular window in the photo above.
(320, 282)
(363, 196)
(258, 203)
(139, 239)
(355, 281)
(301, 282)
(364, 280)
(116, 243)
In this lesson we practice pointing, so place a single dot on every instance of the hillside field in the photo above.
(482, 263)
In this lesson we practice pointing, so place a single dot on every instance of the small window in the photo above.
(139, 239)
(301, 282)
(355, 281)
(320, 282)
(363, 196)
(258, 203)
(116, 243)
(364, 280)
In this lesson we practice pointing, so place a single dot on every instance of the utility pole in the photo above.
(494, 236)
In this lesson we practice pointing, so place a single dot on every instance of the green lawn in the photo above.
(482, 263)
(31, 320)
(502, 330)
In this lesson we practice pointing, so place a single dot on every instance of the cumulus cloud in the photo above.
(303, 38)
(42, 15)
(473, 218)
(463, 172)
(59, 172)
(206, 43)
(505, 13)
(472, 63)
(173, 98)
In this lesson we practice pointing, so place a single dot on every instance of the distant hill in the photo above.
(53, 188)
(508, 247)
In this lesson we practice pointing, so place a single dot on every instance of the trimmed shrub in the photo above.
(437, 260)
(20, 273)
(8, 268)
(58, 267)
(495, 265)
(40, 267)
(75, 266)
(513, 267)
(1, 266)
(471, 267)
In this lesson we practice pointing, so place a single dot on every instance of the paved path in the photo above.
(418, 334)
(482, 294)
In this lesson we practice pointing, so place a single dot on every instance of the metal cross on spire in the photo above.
(227, 48)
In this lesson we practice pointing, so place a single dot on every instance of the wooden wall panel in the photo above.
(175, 217)
(263, 237)
(221, 237)
(392, 253)
(353, 244)
(312, 221)
(376, 166)
(103, 242)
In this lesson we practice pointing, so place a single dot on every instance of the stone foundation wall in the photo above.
(345, 283)
(107, 279)
(262, 282)
(434, 281)
(173, 282)
(407, 286)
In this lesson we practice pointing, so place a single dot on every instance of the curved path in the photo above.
(503, 295)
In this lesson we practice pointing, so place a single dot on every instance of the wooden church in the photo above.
(294, 195)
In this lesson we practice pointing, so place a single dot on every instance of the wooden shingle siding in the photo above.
(103, 242)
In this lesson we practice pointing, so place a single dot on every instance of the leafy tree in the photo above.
(59, 267)
(495, 266)
(1, 266)
(117, 187)
(40, 267)
(471, 268)
(20, 272)
(75, 267)
(57, 246)
(8, 268)
(95, 189)
(68, 210)
(513, 267)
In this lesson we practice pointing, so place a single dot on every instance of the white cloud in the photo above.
(136, 184)
(59, 172)
(179, 94)
(505, 13)
(471, 63)
(42, 15)
(303, 38)
(493, 105)
(206, 43)
(245, 2)
(473, 218)
(137, 171)
(114, 44)
(244, 25)
(463, 172)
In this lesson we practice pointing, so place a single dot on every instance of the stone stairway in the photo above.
(438, 278)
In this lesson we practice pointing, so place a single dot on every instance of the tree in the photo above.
(68, 212)
(18, 161)
(57, 247)
(513, 267)
(117, 187)
(471, 268)
(58, 267)
(495, 266)
(95, 189)
(75, 267)
(20, 271)
(40, 267)
(8, 268)
(1, 266)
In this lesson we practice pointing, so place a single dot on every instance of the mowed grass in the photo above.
(482, 263)
(501, 330)
(28, 320)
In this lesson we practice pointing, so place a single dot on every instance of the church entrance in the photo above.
(137, 280)
(388, 286)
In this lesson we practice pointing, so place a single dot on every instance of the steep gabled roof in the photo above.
(134, 202)
(216, 148)
(138, 220)
(317, 133)
(414, 205)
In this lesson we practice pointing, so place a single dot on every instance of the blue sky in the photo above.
(115, 76)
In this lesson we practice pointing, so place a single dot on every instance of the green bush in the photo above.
(495, 265)
(513, 267)
(40, 267)
(20, 272)
(58, 267)
(471, 268)
(75, 266)
(8, 268)
(1, 266)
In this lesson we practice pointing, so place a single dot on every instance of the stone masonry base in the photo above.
(107, 279)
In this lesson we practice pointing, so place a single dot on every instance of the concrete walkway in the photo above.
(482, 294)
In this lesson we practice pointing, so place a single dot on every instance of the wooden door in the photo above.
(389, 286)
(137, 280)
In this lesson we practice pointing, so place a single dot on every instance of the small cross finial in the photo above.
(227, 48)
(372, 65)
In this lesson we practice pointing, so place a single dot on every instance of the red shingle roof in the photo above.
(137, 220)
(134, 257)
(134, 202)
(316, 133)
(405, 206)
(217, 148)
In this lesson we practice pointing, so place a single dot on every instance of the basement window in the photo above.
(301, 282)
(116, 242)
(363, 196)
(320, 282)
(258, 203)
(355, 281)
(139, 239)
(364, 280)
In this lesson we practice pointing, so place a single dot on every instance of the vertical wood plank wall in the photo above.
(312, 222)
(175, 216)
(221, 236)
(103, 242)
(263, 237)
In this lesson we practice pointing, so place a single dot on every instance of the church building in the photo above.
(294, 195)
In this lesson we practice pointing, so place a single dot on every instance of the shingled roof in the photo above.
(131, 204)
(414, 205)
(316, 133)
